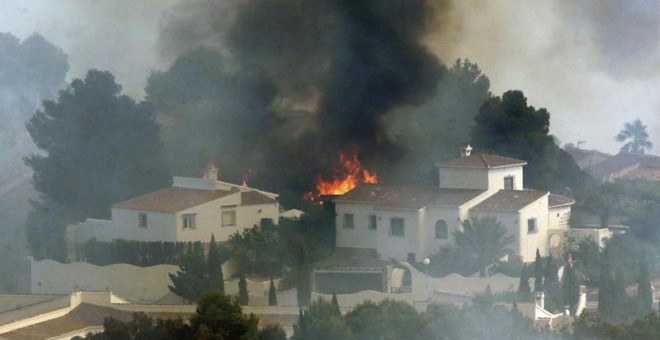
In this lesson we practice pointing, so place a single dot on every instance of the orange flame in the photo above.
(347, 178)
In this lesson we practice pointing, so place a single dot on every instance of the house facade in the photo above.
(410, 224)
(192, 209)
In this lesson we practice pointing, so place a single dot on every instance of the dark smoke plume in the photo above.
(344, 62)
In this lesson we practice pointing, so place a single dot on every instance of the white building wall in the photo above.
(531, 241)
(463, 178)
(160, 226)
(247, 216)
(208, 220)
(429, 244)
(496, 177)
(558, 217)
(360, 236)
(398, 247)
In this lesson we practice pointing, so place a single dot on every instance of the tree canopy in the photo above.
(508, 126)
(98, 147)
(636, 136)
(485, 238)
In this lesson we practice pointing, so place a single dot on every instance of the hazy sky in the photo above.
(593, 64)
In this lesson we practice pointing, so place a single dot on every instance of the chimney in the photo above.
(466, 150)
(540, 299)
(211, 172)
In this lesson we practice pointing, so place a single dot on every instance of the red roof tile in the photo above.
(510, 200)
(407, 197)
(255, 198)
(172, 199)
(481, 160)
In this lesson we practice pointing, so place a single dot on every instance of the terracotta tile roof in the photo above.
(510, 200)
(172, 199)
(559, 200)
(402, 197)
(255, 198)
(623, 161)
(481, 160)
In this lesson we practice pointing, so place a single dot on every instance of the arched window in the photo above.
(441, 230)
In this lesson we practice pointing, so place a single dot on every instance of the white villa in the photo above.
(410, 224)
(192, 209)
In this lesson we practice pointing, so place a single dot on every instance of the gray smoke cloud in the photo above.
(592, 64)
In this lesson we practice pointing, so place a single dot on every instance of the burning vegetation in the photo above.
(347, 175)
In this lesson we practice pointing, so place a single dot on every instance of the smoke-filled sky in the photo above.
(593, 64)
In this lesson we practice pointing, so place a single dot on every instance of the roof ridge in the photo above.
(483, 157)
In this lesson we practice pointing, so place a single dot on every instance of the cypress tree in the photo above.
(272, 294)
(214, 266)
(644, 291)
(553, 298)
(335, 305)
(538, 272)
(605, 293)
(570, 288)
(524, 291)
(243, 296)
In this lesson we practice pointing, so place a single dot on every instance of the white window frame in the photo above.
(534, 223)
(143, 220)
(372, 223)
(437, 224)
(228, 218)
(402, 225)
(349, 221)
(189, 221)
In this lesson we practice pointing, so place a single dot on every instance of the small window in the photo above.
(229, 218)
(531, 226)
(348, 221)
(372, 222)
(508, 183)
(142, 220)
(441, 230)
(189, 221)
(397, 227)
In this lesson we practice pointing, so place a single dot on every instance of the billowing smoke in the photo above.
(343, 64)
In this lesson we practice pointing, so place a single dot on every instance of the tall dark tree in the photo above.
(524, 291)
(272, 294)
(554, 301)
(99, 147)
(199, 274)
(508, 126)
(243, 294)
(484, 238)
(638, 138)
(570, 287)
(538, 272)
(644, 291)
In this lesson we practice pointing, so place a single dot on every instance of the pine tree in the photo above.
(644, 291)
(243, 296)
(538, 272)
(272, 294)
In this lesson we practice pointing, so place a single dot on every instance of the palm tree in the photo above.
(634, 131)
(484, 238)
